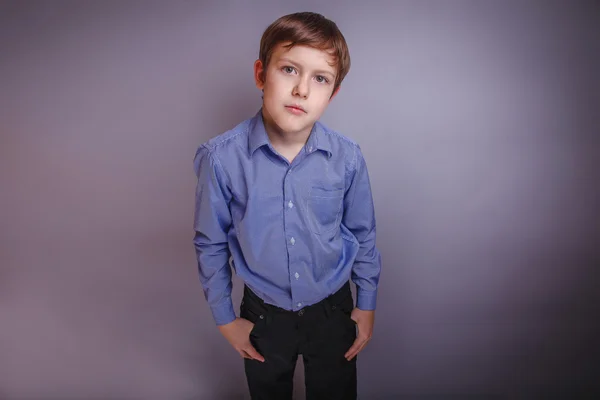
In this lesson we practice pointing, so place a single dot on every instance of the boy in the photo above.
(290, 201)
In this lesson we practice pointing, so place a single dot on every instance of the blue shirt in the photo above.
(295, 232)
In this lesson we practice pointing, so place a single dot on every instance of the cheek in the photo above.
(322, 92)
(274, 91)
(275, 80)
(322, 102)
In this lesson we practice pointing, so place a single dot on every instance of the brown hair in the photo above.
(309, 29)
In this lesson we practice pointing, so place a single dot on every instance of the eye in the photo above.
(288, 70)
(322, 79)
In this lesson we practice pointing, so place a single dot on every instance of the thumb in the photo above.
(253, 353)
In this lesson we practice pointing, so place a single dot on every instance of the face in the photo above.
(298, 86)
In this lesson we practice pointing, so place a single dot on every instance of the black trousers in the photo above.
(322, 333)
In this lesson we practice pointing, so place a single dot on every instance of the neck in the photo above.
(279, 137)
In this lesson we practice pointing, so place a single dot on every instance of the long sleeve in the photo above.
(212, 220)
(359, 218)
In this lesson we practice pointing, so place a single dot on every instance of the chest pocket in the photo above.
(324, 209)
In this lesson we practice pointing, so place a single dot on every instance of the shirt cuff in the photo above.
(223, 312)
(366, 299)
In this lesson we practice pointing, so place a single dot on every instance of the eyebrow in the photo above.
(318, 71)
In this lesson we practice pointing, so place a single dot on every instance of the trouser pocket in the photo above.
(342, 307)
(253, 311)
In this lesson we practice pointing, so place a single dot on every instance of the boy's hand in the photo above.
(237, 334)
(364, 321)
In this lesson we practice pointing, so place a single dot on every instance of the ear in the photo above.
(259, 73)
(335, 93)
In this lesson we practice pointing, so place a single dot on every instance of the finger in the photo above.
(253, 353)
(353, 354)
(362, 346)
(244, 354)
(355, 346)
(359, 344)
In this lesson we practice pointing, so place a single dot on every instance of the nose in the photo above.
(302, 88)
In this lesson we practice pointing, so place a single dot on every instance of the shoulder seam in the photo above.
(214, 146)
(342, 137)
(213, 156)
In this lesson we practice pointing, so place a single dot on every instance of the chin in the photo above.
(287, 124)
(296, 127)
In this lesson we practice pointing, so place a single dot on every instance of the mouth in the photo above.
(296, 109)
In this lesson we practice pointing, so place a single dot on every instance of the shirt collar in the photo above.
(317, 140)
(257, 136)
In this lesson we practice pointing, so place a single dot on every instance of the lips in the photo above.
(296, 107)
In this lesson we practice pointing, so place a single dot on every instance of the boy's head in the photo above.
(303, 59)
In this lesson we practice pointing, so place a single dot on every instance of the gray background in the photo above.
(479, 122)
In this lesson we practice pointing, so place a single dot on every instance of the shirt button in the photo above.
(292, 241)
(299, 304)
(290, 204)
(309, 148)
(297, 275)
